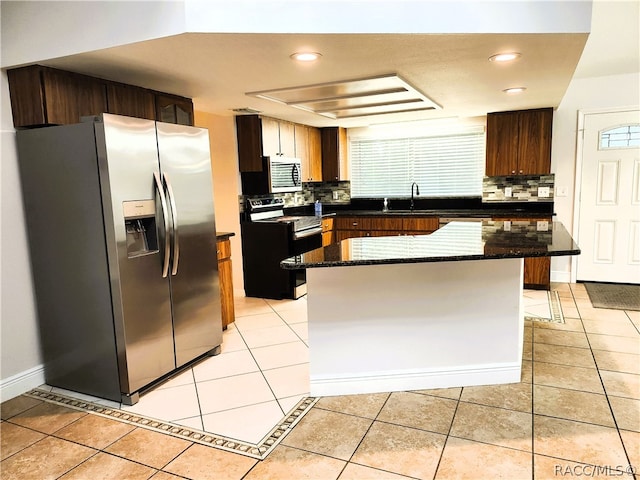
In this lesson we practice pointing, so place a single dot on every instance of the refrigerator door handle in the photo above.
(174, 216)
(163, 204)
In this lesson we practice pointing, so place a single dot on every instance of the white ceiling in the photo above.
(218, 69)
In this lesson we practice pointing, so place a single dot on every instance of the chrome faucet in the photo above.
(417, 193)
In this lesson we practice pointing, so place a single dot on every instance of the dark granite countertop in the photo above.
(455, 241)
(223, 235)
(461, 213)
(469, 207)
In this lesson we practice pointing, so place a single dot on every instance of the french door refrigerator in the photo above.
(122, 240)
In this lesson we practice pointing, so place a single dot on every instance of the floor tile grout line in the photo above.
(373, 421)
(208, 439)
(448, 435)
(195, 386)
(263, 375)
(604, 388)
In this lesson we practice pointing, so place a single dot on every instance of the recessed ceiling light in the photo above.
(306, 56)
(514, 90)
(504, 57)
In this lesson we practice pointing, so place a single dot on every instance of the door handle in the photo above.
(163, 204)
(174, 216)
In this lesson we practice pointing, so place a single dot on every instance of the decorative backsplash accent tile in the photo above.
(530, 233)
(326, 192)
(330, 192)
(518, 188)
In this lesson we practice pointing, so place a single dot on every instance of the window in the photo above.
(444, 163)
(620, 137)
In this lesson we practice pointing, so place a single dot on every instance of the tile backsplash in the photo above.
(518, 188)
(327, 192)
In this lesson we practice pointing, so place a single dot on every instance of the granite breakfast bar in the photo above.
(418, 312)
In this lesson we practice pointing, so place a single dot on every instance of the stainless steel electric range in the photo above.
(268, 237)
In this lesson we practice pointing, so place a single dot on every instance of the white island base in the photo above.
(414, 326)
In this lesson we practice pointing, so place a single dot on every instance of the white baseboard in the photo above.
(424, 380)
(22, 382)
(560, 277)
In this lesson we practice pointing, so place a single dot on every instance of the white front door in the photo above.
(609, 213)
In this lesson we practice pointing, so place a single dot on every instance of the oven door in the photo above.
(285, 175)
(301, 244)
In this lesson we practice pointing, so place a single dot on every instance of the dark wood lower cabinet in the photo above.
(225, 273)
(537, 273)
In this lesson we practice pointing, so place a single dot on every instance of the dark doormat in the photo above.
(614, 295)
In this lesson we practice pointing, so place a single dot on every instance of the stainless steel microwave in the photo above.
(284, 174)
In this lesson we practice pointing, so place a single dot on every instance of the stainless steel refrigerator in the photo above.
(122, 239)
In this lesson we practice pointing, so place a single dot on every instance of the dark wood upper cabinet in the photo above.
(519, 142)
(131, 101)
(334, 151)
(174, 109)
(48, 96)
(534, 141)
(260, 136)
(249, 138)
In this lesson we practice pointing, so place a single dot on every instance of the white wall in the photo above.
(388, 16)
(34, 31)
(606, 92)
(226, 183)
(19, 343)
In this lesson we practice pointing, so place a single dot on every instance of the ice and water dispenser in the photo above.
(140, 224)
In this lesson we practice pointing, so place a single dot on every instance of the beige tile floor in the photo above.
(576, 413)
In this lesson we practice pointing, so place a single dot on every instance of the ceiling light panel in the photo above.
(353, 98)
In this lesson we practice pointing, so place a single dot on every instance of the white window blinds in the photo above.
(449, 164)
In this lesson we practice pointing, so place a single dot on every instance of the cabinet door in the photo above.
(502, 144)
(249, 139)
(225, 272)
(27, 96)
(315, 154)
(420, 224)
(348, 223)
(287, 139)
(270, 137)
(537, 271)
(174, 109)
(327, 238)
(130, 101)
(382, 223)
(534, 141)
(70, 96)
(302, 150)
(330, 154)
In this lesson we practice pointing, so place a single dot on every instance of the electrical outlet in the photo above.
(507, 225)
(336, 195)
(508, 192)
(542, 226)
(543, 192)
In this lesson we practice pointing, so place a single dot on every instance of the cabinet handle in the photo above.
(513, 171)
(521, 171)
(354, 224)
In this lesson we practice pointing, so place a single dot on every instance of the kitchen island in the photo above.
(426, 311)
